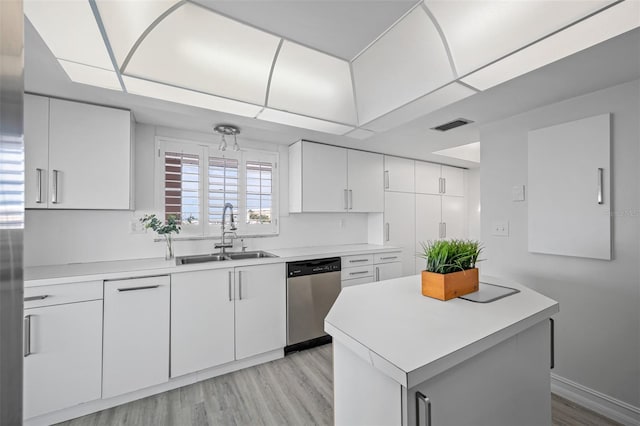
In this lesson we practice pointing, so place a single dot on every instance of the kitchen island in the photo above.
(404, 359)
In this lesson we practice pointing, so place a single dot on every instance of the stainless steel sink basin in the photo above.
(250, 255)
(202, 258)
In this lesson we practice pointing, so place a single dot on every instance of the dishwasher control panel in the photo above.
(312, 267)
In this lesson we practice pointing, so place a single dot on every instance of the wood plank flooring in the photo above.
(296, 390)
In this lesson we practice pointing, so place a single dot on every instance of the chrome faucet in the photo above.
(223, 244)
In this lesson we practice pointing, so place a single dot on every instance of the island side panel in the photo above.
(362, 394)
(508, 384)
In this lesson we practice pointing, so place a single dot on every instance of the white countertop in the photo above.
(412, 338)
(78, 272)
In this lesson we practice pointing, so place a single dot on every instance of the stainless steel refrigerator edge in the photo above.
(11, 210)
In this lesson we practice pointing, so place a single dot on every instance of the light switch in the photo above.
(517, 193)
(500, 228)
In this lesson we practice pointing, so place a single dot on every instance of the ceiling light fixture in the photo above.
(227, 130)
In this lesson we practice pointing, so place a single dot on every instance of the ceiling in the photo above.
(330, 22)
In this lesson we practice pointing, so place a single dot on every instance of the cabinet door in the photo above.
(454, 217)
(387, 271)
(399, 218)
(453, 181)
(136, 334)
(427, 178)
(89, 156)
(63, 367)
(202, 310)
(365, 179)
(399, 174)
(260, 309)
(324, 178)
(36, 151)
(428, 218)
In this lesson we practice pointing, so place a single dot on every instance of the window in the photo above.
(198, 180)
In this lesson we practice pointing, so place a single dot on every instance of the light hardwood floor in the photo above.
(296, 390)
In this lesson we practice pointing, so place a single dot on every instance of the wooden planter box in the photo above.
(449, 286)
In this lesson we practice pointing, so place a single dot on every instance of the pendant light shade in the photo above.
(225, 130)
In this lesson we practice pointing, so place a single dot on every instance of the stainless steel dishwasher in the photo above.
(312, 287)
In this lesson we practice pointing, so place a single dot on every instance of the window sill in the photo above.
(214, 237)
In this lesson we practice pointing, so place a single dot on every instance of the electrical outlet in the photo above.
(500, 228)
(135, 227)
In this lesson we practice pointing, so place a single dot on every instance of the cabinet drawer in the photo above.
(48, 295)
(357, 260)
(358, 272)
(386, 257)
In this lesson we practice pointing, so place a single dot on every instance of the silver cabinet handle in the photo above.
(54, 196)
(444, 229)
(440, 230)
(143, 287)
(346, 199)
(26, 337)
(38, 186)
(439, 185)
(387, 231)
(377, 274)
(552, 326)
(427, 408)
(358, 260)
(386, 179)
(240, 285)
(350, 199)
(230, 296)
(444, 185)
(600, 183)
(32, 298)
(358, 273)
(389, 258)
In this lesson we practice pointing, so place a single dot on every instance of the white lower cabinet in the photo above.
(368, 268)
(136, 334)
(261, 312)
(202, 311)
(387, 271)
(62, 356)
(218, 316)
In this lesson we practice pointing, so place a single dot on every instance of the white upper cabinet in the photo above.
(437, 179)
(36, 151)
(77, 156)
(89, 156)
(407, 62)
(399, 227)
(324, 178)
(399, 174)
(365, 181)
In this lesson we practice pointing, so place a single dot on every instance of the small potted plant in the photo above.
(165, 229)
(451, 268)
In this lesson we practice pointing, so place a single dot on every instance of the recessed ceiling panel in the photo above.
(197, 49)
(341, 28)
(479, 32)
(93, 76)
(312, 83)
(301, 121)
(607, 24)
(188, 97)
(409, 61)
(125, 21)
(70, 31)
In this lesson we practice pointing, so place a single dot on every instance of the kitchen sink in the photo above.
(203, 258)
(250, 255)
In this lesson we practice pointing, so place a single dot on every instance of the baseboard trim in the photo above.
(173, 383)
(606, 405)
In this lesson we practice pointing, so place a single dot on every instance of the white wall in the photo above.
(59, 237)
(598, 327)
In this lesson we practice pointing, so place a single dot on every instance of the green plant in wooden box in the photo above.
(450, 268)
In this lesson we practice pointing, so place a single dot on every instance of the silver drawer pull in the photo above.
(54, 196)
(358, 260)
(39, 186)
(377, 274)
(427, 408)
(144, 287)
(358, 273)
(32, 298)
(389, 258)
(26, 337)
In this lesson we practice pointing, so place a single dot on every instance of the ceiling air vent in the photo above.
(452, 124)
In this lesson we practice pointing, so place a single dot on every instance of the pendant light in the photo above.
(227, 130)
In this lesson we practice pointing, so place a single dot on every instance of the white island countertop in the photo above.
(412, 338)
(119, 269)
